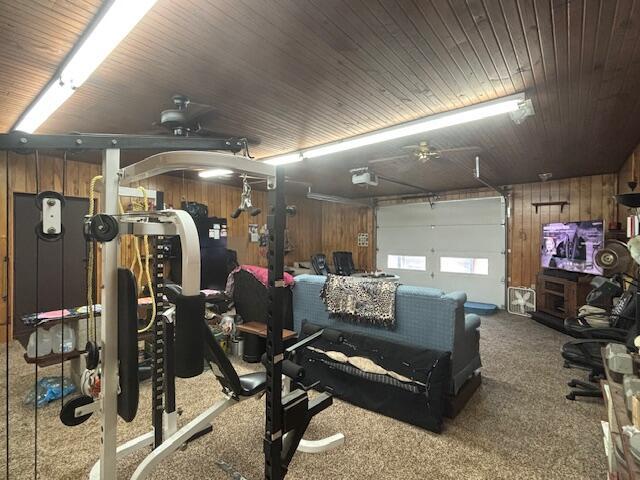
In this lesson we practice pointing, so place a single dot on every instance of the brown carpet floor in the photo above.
(518, 425)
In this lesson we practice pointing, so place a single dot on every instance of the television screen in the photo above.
(571, 246)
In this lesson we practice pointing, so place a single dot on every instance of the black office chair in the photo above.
(319, 264)
(343, 263)
(585, 353)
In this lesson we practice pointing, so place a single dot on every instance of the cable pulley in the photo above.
(50, 204)
(101, 227)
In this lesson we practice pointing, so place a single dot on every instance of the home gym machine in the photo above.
(288, 416)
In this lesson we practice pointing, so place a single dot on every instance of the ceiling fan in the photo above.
(189, 118)
(423, 152)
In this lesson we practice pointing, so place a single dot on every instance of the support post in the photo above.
(109, 321)
(158, 358)
(276, 218)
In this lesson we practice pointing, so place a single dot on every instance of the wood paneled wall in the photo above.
(317, 226)
(590, 198)
(340, 227)
(629, 172)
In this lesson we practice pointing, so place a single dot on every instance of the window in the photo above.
(407, 262)
(475, 266)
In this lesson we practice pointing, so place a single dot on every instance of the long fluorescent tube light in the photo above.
(460, 116)
(95, 46)
(53, 96)
(215, 172)
(284, 159)
(335, 199)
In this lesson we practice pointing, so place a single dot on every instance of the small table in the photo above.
(255, 342)
(260, 329)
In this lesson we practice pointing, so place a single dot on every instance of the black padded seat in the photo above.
(252, 383)
(584, 353)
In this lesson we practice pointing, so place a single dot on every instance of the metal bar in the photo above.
(276, 218)
(145, 228)
(109, 321)
(190, 244)
(403, 184)
(21, 141)
(157, 380)
(131, 192)
(187, 160)
(169, 357)
(476, 174)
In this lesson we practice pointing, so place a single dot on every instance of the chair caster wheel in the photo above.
(571, 384)
(566, 365)
(570, 396)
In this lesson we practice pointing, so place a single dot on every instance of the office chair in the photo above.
(319, 264)
(343, 263)
(585, 353)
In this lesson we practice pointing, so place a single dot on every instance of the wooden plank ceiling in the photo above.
(298, 73)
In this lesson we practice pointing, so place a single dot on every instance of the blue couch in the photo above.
(425, 317)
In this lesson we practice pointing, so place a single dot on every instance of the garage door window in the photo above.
(475, 266)
(407, 262)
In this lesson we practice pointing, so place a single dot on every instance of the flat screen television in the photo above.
(571, 246)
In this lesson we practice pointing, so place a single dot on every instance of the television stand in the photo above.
(559, 297)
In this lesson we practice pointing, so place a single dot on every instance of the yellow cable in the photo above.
(146, 267)
(92, 193)
(136, 258)
(92, 188)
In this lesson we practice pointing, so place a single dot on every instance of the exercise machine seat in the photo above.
(252, 383)
(319, 264)
(343, 263)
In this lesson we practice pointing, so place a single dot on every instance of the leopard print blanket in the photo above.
(360, 300)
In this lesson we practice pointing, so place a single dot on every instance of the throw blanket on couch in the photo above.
(360, 300)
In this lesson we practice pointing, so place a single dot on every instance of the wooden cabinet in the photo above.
(561, 297)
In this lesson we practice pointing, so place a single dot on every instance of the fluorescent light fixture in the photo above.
(510, 104)
(95, 46)
(50, 100)
(428, 124)
(284, 159)
(215, 172)
(335, 199)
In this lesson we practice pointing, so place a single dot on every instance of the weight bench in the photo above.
(298, 409)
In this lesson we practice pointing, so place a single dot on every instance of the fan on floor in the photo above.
(423, 152)
(190, 118)
(522, 301)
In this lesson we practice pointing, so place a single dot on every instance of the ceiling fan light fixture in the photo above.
(215, 173)
(545, 176)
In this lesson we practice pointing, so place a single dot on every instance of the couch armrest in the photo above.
(471, 322)
(459, 297)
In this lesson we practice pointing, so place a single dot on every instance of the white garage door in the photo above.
(452, 245)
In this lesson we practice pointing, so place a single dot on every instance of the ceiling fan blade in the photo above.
(387, 159)
(201, 105)
(460, 149)
(203, 116)
(412, 147)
